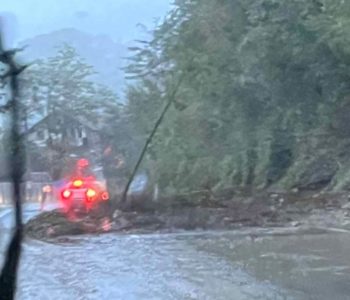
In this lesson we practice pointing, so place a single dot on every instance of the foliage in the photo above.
(62, 84)
(261, 77)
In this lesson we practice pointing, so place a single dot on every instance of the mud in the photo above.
(261, 210)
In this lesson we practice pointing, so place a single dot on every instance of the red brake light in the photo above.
(77, 183)
(66, 194)
(90, 193)
(83, 162)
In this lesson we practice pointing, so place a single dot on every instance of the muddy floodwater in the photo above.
(188, 266)
(244, 264)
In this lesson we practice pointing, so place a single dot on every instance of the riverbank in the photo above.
(258, 210)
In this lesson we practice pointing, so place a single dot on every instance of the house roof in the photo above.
(64, 115)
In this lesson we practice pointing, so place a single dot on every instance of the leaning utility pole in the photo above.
(171, 100)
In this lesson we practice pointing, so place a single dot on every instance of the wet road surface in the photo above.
(247, 264)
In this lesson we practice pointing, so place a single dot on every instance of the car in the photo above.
(84, 196)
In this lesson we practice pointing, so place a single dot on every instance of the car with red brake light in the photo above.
(82, 196)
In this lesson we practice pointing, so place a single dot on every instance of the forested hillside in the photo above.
(101, 52)
(262, 95)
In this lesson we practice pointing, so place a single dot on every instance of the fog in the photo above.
(115, 18)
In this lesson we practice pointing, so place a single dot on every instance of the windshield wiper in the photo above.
(8, 276)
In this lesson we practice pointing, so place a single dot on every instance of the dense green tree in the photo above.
(259, 104)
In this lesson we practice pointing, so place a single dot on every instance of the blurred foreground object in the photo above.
(8, 276)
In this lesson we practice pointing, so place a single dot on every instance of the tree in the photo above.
(261, 77)
(62, 84)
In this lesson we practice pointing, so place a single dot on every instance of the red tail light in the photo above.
(90, 194)
(66, 194)
(105, 196)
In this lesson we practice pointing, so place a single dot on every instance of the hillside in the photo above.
(99, 51)
(263, 99)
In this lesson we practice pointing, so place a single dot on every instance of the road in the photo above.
(29, 211)
(247, 264)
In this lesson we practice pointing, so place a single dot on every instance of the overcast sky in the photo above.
(116, 18)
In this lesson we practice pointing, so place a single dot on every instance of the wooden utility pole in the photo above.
(149, 139)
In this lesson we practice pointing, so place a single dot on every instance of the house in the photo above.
(61, 128)
(33, 183)
(59, 136)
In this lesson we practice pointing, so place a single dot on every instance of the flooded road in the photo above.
(133, 267)
(189, 266)
(247, 264)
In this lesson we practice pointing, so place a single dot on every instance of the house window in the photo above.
(80, 132)
(41, 134)
(72, 132)
(59, 124)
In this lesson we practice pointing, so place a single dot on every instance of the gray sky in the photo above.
(115, 18)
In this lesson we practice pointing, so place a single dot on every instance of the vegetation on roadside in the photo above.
(264, 101)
